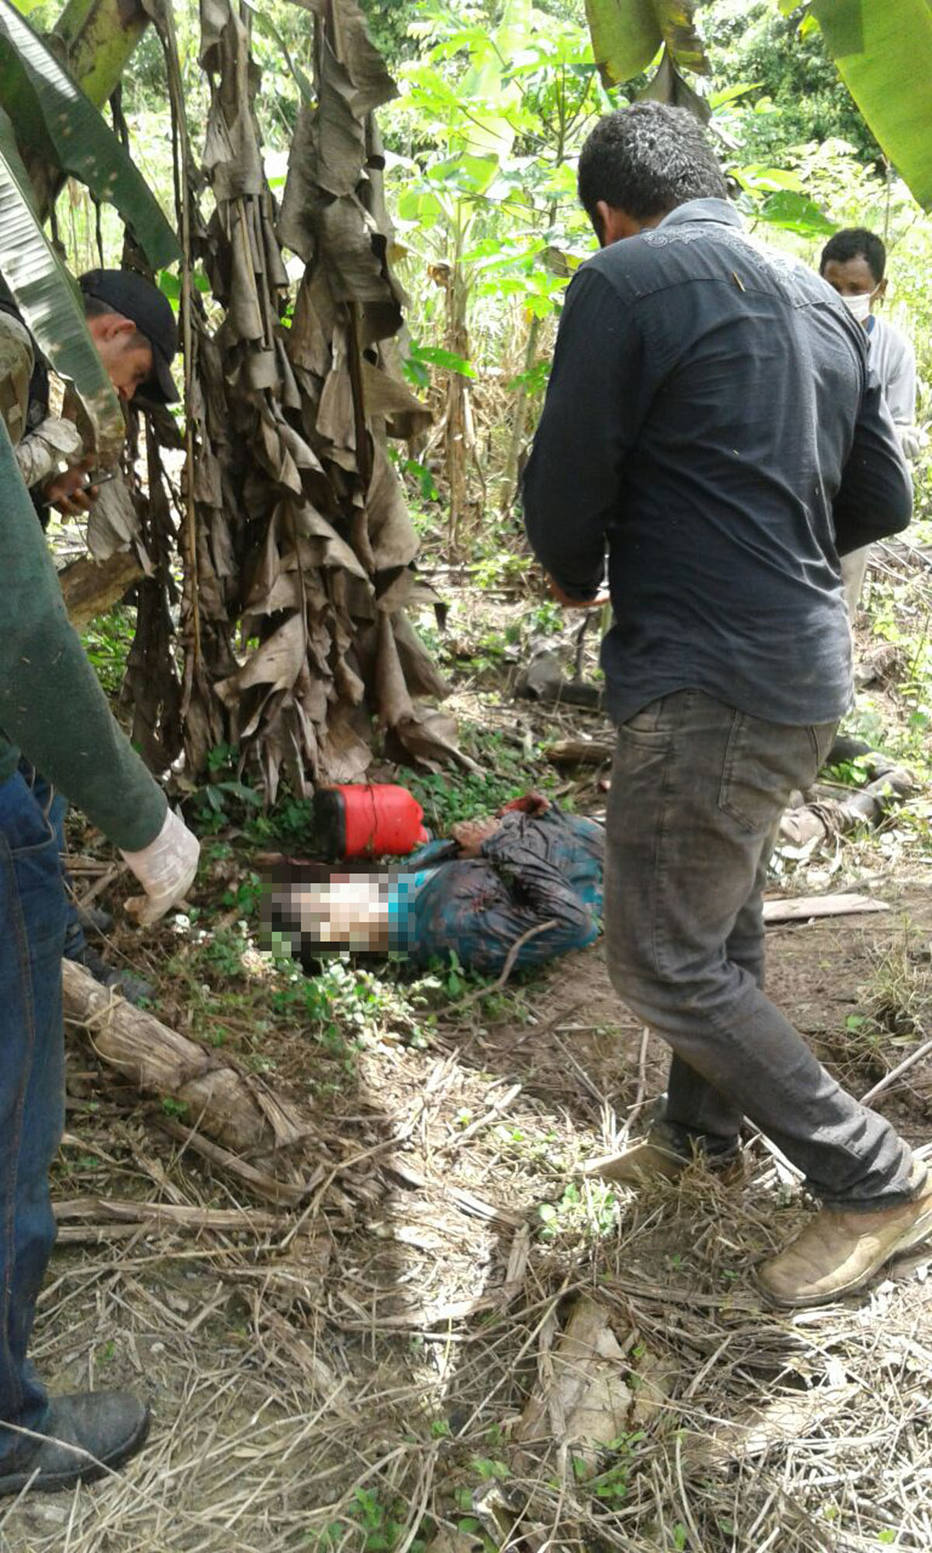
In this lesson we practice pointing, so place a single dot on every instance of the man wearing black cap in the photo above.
(133, 328)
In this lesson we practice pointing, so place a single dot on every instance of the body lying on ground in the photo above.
(475, 896)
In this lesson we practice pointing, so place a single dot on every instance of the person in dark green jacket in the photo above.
(133, 331)
(55, 715)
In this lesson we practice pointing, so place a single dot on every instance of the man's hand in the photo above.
(165, 869)
(70, 493)
(470, 834)
(568, 603)
(531, 803)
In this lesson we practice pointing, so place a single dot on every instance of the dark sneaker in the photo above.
(95, 921)
(131, 987)
(84, 1435)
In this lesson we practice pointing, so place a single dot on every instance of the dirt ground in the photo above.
(351, 1374)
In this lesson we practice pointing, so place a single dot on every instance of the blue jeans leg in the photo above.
(32, 1090)
(55, 805)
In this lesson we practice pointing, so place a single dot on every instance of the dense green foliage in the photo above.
(495, 99)
(798, 96)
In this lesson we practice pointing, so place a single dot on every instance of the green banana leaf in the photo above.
(97, 38)
(487, 85)
(627, 34)
(54, 122)
(50, 302)
(883, 51)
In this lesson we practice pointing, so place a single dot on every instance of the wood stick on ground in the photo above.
(269, 1187)
(586, 1081)
(573, 752)
(240, 1112)
(495, 1110)
(80, 1210)
(800, 908)
(465, 1201)
(640, 1097)
(101, 883)
(897, 1072)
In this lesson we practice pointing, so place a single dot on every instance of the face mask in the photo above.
(859, 306)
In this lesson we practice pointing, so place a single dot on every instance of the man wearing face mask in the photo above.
(854, 263)
(711, 420)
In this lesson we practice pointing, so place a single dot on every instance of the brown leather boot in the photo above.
(838, 1253)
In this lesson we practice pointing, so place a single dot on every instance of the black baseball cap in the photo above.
(134, 297)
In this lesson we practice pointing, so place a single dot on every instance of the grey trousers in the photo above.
(696, 796)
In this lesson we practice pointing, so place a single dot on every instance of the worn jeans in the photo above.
(696, 797)
(32, 1089)
(55, 805)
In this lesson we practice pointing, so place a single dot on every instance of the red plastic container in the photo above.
(377, 819)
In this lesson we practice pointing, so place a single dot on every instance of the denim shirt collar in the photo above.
(703, 210)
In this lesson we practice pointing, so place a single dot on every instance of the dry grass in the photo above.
(352, 1376)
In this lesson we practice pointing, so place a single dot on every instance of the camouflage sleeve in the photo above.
(16, 364)
(41, 452)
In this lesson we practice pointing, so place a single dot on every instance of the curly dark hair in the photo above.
(646, 160)
(856, 242)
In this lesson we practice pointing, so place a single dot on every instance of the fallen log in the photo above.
(572, 752)
(91, 587)
(824, 817)
(544, 680)
(237, 1109)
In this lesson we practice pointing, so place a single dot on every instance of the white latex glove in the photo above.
(165, 869)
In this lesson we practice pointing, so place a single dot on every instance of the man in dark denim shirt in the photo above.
(712, 423)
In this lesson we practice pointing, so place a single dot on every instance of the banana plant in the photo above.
(627, 35)
(883, 52)
(50, 301)
(96, 38)
(471, 121)
(54, 122)
(47, 122)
